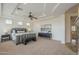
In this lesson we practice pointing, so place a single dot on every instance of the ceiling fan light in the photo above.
(30, 15)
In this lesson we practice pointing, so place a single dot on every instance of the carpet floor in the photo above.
(42, 46)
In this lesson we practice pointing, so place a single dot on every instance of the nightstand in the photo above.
(5, 37)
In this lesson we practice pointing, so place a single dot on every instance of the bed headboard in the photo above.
(19, 30)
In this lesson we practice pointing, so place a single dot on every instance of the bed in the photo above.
(20, 35)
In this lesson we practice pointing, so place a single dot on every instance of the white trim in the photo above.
(55, 7)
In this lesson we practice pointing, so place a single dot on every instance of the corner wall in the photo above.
(58, 27)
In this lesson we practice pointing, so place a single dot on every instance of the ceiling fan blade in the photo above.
(31, 18)
(42, 16)
(34, 17)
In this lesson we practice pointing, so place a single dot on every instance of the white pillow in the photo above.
(20, 31)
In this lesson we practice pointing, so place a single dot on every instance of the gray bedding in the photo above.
(19, 35)
(23, 37)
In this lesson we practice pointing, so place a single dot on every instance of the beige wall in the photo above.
(67, 28)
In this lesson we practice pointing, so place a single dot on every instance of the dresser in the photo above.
(48, 35)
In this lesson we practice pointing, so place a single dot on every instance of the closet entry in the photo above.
(74, 37)
(77, 24)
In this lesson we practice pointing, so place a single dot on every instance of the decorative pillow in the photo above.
(20, 31)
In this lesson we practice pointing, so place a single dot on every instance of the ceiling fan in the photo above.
(31, 16)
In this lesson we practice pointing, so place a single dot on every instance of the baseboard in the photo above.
(63, 42)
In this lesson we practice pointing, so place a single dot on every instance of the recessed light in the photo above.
(24, 3)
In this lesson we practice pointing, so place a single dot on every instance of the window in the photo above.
(8, 21)
(73, 28)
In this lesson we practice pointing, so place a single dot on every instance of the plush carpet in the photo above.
(42, 46)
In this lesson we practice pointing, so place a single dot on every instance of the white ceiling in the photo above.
(38, 9)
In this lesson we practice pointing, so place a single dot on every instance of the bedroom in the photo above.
(27, 21)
